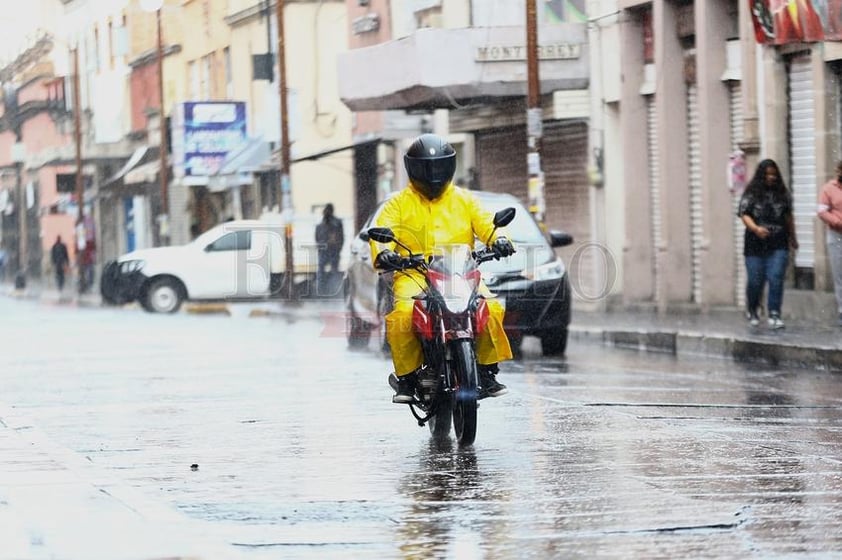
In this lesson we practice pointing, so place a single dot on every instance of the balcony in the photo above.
(449, 68)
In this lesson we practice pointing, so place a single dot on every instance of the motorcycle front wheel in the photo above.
(465, 406)
(439, 423)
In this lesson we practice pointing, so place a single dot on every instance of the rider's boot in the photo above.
(405, 392)
(488, 382)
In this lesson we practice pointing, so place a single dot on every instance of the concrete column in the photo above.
(748, 85)
(774, 113)
(827, 152)
(671, 108)
(637, 257)
(712, 25)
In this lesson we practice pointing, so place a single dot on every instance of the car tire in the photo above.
(515, 343)
(554, 343)
(164, 295)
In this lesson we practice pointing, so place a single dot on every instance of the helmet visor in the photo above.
(437, 171)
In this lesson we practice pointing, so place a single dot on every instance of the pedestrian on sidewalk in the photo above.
(329, 238)
(830, 212)
(60, 260)
(766, 210)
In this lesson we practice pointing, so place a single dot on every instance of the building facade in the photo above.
(208, 49)
(458, 68)
(682, 94)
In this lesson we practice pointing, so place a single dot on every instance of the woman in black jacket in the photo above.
(766, 211)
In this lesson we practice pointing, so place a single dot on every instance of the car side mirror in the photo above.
(504, 217)
(381, 235)
(560, 239)
(364, 236)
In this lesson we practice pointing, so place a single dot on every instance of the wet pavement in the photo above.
(299, 453)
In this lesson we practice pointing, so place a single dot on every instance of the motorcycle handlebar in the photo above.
(418, 262)
(485, 255)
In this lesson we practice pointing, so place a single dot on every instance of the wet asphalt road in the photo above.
(301, 454)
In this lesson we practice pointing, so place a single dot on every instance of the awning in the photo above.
(144, 173)
(140, 156)
(239, 166)
(275, 162)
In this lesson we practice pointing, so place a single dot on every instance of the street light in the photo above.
(155, 6)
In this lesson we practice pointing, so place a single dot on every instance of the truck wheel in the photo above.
(359, 332)
(163, 295)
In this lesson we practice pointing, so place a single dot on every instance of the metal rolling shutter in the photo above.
(654, 194)
(736, 116)
(695, 174)
(802, 156)
(564, 162)
(501, 161)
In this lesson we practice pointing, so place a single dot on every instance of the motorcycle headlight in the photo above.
(457, 295)
(127, 267)
(550, 271)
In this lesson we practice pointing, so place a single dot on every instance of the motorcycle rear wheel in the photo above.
(465, 406)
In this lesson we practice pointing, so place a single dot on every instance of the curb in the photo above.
(728, 347)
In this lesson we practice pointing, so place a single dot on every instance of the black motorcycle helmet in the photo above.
(430, 163)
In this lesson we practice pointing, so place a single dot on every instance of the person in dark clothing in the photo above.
(60, 260)
(329, 238)
(766, 210)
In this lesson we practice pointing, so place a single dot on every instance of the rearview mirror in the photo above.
(504, 217)
(381, 235)
(560, 239)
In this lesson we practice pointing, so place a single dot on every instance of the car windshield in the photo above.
(523, 228)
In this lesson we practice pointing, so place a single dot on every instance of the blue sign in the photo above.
(203, 134)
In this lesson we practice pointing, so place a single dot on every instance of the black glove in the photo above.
(502, 247)
(388, 260)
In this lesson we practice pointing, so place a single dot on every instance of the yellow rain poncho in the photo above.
(421, 224)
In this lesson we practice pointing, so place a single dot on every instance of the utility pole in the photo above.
(165, 203)
(534, 117)
(23, 258)
(80, 183)
(286, 188)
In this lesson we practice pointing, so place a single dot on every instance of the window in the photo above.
(193, 70)
(205, 84)
(97, 60)
(229, 74)
(110, 45)
(234, 241)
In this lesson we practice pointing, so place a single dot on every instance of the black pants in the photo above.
(324, 279)
(60, 278)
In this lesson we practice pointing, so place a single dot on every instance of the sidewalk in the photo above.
(56, 504)
(725, 333)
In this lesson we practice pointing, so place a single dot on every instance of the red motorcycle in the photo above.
(446, 317)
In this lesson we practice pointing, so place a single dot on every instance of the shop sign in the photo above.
(779, 22)
(507, 53)
(204, 132)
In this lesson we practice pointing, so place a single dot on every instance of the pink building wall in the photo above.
(366, 122)
(43, 142)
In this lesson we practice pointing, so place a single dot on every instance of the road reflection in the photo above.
(449, 499)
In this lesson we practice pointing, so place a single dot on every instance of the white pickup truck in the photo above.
(240, 260)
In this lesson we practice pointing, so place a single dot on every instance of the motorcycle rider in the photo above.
(431, 211)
